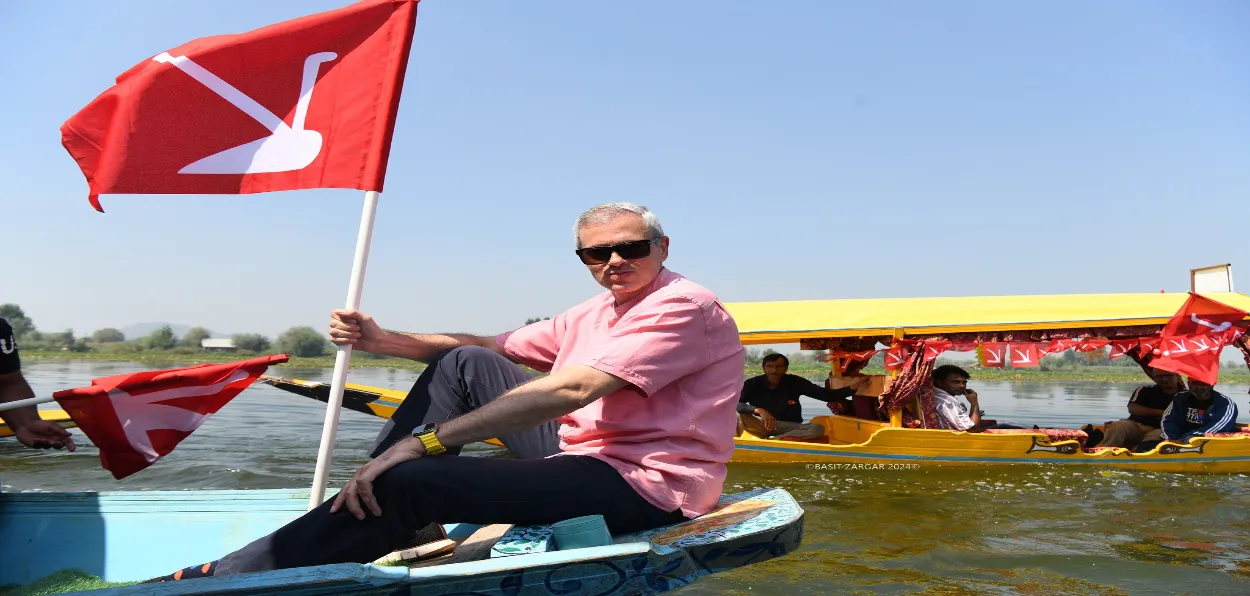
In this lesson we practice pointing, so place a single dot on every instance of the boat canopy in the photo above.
(792, 321)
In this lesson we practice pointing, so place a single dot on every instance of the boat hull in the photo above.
(133, 536)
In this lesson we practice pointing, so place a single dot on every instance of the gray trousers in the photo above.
(457, 382)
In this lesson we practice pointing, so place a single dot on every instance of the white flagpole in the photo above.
(31, 401)
(344, 356)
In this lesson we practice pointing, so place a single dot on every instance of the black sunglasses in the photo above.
(598, 255)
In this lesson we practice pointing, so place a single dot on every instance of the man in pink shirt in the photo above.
(635, 421)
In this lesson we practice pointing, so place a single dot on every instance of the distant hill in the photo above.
(144, 329)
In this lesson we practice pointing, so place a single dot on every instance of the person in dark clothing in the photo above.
(769, 405)
(1145, 412)
(1199, 411)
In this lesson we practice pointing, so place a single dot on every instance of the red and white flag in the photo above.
(1089, 345)
(1192, 339)
(896, 356)
(1023, 355)
(993, 354)
(1200, 314)
(305, 103)
(933, 349)
(135, 419)
(1120, 347)
(1058, 345)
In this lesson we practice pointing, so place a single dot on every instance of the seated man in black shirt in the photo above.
(769, 405)
(1145, 411)
(30, 429)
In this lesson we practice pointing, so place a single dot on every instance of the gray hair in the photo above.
(601, 214)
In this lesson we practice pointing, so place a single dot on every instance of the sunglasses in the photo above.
(598, 255)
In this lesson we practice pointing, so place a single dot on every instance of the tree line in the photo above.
(303, 341)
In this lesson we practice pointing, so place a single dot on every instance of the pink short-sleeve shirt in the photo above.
(670, 432)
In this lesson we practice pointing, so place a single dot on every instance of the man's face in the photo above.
(625, 278)
(775, 369)
(1168, 381)
(1199, 388)
(953, 384)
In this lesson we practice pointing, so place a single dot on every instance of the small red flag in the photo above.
(896, 357)
(1023, 355)
(1089, 345)
(305, 103)
(1058, 345)
(933, 349)
(1120, 347)
(135, 419)
(993, 354)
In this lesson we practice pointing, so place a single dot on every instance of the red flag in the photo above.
(1192, 340)
(1149, 346)
(1023, 355)
(994, 354)
(933, 349)
(305, 103)
(1058, 345)
(1089, 345)
(1203, 315)
(135, 419)
(1119, 347)
(1195, 356)
(896, 357)
(859, 356)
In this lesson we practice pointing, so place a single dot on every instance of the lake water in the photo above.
(998, 530)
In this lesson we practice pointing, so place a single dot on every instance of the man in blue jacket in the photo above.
(1199, 411)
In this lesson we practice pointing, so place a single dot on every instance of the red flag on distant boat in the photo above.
(933, 349)
(993, 354)
(896, 356)
(1058, 345)
(305, 103)
(1089, 345)
(1120, 347)
(1023, 355)
(1192, 340)
(135, 419)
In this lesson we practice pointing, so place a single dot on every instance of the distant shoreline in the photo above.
(361, 361)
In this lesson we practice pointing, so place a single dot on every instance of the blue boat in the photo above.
(135, 536)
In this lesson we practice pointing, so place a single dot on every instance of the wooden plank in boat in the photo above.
(477, 546)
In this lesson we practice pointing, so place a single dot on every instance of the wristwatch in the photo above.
(427, 437)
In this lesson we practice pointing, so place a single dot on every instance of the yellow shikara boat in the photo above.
(865, 443)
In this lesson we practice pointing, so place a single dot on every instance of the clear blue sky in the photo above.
(794, 150)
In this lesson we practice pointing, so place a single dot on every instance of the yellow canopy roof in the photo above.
(790, 321)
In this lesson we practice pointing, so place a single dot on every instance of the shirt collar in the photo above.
(665, 276)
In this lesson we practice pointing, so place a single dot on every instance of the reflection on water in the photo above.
(1022, 529)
